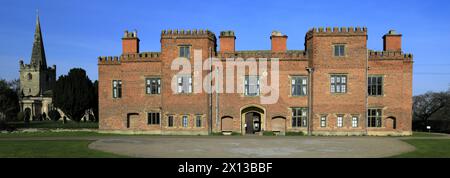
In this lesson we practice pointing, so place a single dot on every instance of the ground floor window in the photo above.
(198, 121)
(374, 117)
(170, 121)
(323, 121)
(153, 118)
(299, 117)
(185, 121)
(340, 122)
(354, 121)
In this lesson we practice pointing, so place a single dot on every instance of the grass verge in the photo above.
(427, 148)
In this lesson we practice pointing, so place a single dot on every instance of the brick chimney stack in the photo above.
(279, 41)
(392, 41)
(227, 41)
(130, 43)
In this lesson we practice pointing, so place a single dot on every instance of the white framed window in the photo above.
(299, 117)
(354, 122)
(323, 121)
(185, 51)
(153, 86)
(184, 84)
(117, 88)
(185, 121)
(339, 50)
(299, 86)
(198, 121)
(338, 84)
(340, 121)
(252, 85)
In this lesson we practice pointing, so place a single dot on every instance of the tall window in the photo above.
(374, 117)
(339, 50)
(299, 86)
(185, 51)
(340, 121)
(198, 121)
(375, 85)
(251, 85)
(354, 121)
(299, 117)
(323, 121)
(170, 121)
(153, 86)
(153, 118)
(338, 84)
(184, 84)
(117, 88)
(185, 121)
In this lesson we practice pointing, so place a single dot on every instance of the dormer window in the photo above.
(339, 50)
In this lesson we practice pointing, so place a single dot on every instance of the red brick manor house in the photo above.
(335, 86)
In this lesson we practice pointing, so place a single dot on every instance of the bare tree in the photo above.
(426, 105)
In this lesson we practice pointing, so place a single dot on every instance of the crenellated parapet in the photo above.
(337, 31)
(168, 34)
(141, 57)
(109, 60)
(389, 55)
(290, 54)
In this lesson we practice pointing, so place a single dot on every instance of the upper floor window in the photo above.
(198, 121)
(184, 84)
(338, 84)
(185, 51)
(251, 85)
(339, 50)
(299, 86)
(153, 118)
(375, 85)
(153, 86)
(117, 88)
(299, 117)
(374, 117)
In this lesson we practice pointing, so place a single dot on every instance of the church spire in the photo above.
(38, 53)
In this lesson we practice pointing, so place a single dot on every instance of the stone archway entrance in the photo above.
(252, 120)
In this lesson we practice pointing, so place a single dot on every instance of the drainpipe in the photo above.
(210, 94)
(310, 71)
(367, 92)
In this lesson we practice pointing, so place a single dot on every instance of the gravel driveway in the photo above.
(253, 147)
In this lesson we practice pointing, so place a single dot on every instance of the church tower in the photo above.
(36, 79)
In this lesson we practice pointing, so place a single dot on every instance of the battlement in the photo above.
(337, 31)
(187, 34)
(290, 54)
(386, 55)
(111, 60)
(31, 67)
(141, 57)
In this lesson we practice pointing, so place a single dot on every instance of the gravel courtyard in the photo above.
(253, 147)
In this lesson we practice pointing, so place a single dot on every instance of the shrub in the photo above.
(295, 134)
(20, 116)
(268, 133)
(54, 115)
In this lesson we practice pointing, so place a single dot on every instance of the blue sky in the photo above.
(76, 32)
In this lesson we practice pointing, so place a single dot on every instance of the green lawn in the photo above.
(50, 149)
(53, 134)
(428, 148)
(425, 134)
(55, 125)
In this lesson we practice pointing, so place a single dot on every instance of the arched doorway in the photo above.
(129, 116)
(227, 124)
(391, 122)
(252, 120)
